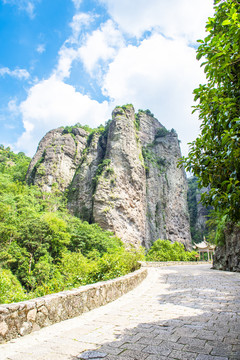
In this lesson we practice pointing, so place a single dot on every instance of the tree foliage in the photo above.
(164, 250)
(214, 155)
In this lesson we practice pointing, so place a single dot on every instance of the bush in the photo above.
(10, 288)
(116, 263)
(86, 238)
(164, 250)
(161, 132)
(76, 269)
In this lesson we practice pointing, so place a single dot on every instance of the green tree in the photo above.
(214, 155)
(164, 250)
(86, 237)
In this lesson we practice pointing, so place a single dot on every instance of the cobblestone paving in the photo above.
(179, 312)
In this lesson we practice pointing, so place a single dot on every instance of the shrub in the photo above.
(86, 238)
(10, 288)
(161, 132)
(76, 269)
(116, 263)
(164, 250)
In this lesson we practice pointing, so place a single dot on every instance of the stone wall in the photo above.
(172, 263)
(19, 319)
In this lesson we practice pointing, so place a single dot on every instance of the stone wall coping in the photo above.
(171, 263)
(19, 319)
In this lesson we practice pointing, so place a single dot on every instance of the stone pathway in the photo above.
(178, 313)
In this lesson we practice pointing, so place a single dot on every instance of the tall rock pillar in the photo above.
(119, 201)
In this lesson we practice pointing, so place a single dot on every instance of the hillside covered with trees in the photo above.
(43, 249)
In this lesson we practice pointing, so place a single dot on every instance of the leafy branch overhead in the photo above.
(214, 155)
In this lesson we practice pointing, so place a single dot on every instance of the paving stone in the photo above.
(172, 345)
(185, 332)
(192, 342)
(206, 335)
(206, 349)
(158, 350)
(210, 357)
(236, 347)
(157, 357)
(182, 355)
(231, 340)
(171, 337)
(117, 344)
(234, 356)
(137, 355)
(149, 341)
(111, 350)
(220, 349)
(136, 346)
(91, 355)
(113, 357)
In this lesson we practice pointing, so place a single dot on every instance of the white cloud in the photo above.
(184, 18)
(52, 103)
(25, 5)
(41, 48)
(30, 9)
(13, 107)
(77, 3)
(102, 44)
(69, 50)
(78, 22)
(159, 74)
(17, 73)
(66, 56)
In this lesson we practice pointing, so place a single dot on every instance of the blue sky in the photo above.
(69, 61)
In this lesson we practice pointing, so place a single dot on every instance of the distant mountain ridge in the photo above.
(123, 176)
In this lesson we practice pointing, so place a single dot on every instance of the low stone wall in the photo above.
(22, 318)
(171, 263)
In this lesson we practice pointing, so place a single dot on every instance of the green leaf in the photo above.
(226, 22)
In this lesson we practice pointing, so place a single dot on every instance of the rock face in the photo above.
(81, 191)
(227, 257)
(166, 184)
(125, 177)
(119, 202)
(199, 214)
(57, 158)
(202, 212)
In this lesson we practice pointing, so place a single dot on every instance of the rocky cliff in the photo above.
(57, 158)
(199, 214)
(123, 177)
(227, 256)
